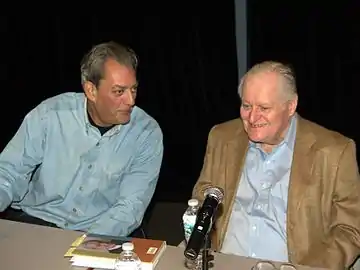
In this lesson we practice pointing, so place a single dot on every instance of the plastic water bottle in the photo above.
(128, 259)
(189, 219)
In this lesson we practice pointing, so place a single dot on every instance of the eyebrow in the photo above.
(260, 105)
(123, 87)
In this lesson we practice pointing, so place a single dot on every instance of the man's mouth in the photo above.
(124, 111)
(258, 125)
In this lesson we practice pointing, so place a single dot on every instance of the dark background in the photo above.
(188, 69)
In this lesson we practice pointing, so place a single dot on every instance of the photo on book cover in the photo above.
(101, 244)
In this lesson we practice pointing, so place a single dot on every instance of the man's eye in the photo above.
(246, 106)
(264, 109)
(119, 92)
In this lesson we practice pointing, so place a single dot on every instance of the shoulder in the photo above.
(64, 101)
(69, 101)
(227, 131)
(144, 121)
(144, 129)
(324, 139)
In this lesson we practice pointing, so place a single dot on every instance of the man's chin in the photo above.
(122, 118)
(255, 139)
(123, 121)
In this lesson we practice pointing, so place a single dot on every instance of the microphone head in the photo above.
(215, 192)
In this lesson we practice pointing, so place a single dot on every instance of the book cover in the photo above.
(99, 250)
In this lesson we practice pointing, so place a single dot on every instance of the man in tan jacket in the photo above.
(292, 187)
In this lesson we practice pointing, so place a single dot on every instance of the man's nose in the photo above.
(253, 115)
(129, 98)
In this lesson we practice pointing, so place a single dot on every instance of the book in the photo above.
(100, 251)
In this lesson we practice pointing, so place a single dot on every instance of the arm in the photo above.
(20, 157)
(136, 190)
(343, 241)
(345, 226)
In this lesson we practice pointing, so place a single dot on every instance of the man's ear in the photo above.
(90, 91)
(293, 105)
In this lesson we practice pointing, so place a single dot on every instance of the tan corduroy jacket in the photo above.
(323, 214)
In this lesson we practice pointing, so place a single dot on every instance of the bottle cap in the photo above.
(128, 246)
(193, 202)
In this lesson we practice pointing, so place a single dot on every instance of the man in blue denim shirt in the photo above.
(86, 161)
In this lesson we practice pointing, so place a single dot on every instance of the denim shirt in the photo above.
(59, 168)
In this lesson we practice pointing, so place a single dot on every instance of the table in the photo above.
(33, 247)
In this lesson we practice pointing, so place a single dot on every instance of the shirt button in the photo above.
(97, 144)
(264, 185)
(74, 210)
(254, 227)
(258, 206)
(81, 188)
(253, 254)
(66, 224)
(90, 166)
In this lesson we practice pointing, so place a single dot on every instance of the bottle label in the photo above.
(128, 266)
(189, 223)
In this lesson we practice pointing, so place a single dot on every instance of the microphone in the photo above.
(204, 221)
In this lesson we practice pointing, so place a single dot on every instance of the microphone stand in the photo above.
(207, 258)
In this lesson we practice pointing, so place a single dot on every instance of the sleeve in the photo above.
(343, 243)
(136, 190)
(21, 155)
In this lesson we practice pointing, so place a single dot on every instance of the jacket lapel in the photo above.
(300, 177)
(235, 157)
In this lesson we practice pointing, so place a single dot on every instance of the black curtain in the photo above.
(187, 75)
(188, 70)
(321, 41)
